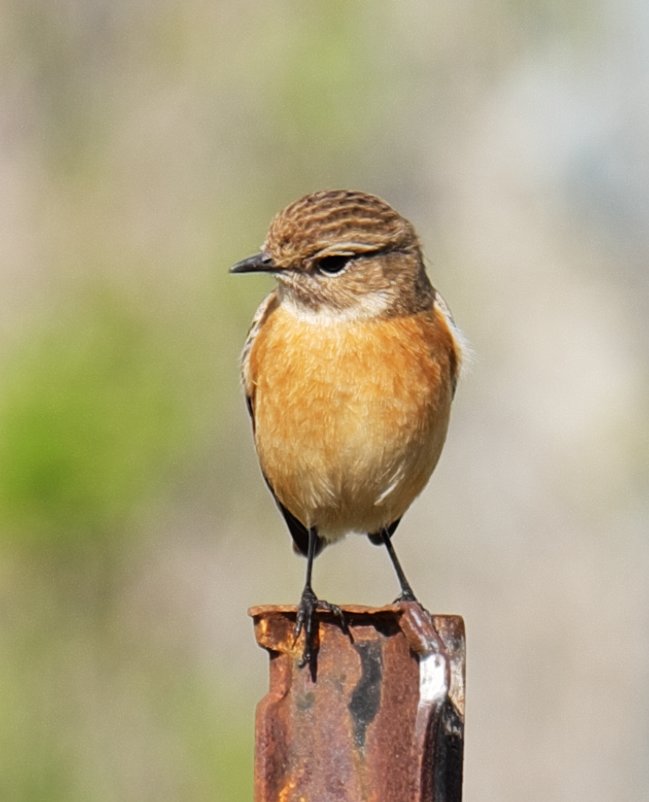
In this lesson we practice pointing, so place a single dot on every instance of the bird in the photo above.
(349, 369)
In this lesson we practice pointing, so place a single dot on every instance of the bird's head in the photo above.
(344, 254)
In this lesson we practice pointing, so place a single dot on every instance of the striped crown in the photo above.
(349, 220)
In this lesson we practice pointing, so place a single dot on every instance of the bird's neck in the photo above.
(366, 307)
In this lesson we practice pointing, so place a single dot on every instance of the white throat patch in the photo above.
(367, 306)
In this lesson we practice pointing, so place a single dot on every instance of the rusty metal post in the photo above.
(381, 719)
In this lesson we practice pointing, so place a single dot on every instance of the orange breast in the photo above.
(350, 416)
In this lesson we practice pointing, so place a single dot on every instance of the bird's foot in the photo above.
(306, 620)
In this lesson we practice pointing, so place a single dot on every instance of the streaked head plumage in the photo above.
(344, 253)
(335, 221)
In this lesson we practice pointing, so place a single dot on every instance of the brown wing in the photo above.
(265, 308)
(459, 343)
(298, 530)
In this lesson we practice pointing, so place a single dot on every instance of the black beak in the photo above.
(259, 263)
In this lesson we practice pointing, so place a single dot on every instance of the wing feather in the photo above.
(298, 530)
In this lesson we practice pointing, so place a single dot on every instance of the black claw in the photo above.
(306, 620)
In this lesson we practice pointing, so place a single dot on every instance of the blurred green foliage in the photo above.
(92, 418)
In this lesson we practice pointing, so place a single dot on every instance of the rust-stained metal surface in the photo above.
(379, 719)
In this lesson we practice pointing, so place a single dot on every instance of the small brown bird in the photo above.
(349, 370)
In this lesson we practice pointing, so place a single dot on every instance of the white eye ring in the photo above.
(332, 265)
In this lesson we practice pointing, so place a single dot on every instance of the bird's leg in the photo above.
(309, 603)
(407, 593)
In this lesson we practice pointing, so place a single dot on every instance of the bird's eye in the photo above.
(332, 265)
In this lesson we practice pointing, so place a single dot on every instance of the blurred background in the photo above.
(144, 148)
